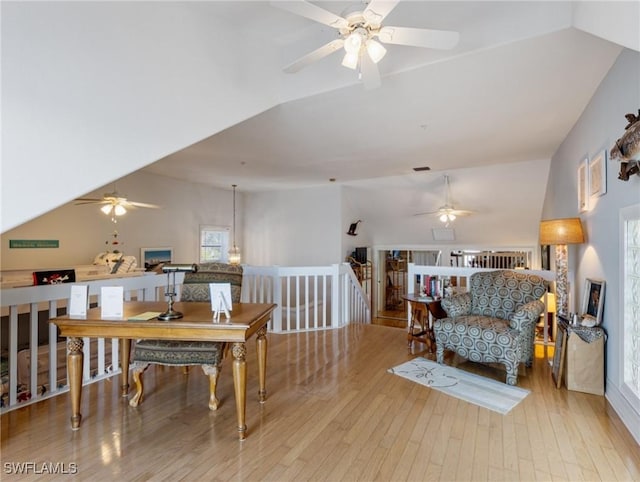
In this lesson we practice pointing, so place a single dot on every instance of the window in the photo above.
(630, 294)
(214, 244)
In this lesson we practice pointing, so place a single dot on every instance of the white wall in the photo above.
(83, 230)
(92, 91)
(599, 126)
(300, 227)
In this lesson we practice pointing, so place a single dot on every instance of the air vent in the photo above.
(425, 168)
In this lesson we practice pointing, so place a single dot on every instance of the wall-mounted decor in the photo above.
(583, 182)
(353, 227)
(598, 174)
(627, 149)
(593, 302)
(154, 258)
(34, 243)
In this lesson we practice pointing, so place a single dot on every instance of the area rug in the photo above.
(471, 388)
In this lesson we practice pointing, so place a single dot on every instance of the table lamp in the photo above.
(560, 233)
(170, 269)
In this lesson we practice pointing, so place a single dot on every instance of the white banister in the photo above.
(40, 362)
(307, 298)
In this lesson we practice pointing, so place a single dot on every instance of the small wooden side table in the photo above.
(421, 322)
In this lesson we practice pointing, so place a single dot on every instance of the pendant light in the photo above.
(234, 252)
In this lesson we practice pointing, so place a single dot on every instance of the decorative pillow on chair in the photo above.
(457, 305)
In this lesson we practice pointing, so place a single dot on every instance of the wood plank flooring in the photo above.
(332, 413)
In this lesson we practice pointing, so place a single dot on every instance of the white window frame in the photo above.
(631, 394)
(225, 243)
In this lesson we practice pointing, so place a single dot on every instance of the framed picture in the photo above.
(598, 174)
(545, 257)
(593, 301)
(558, 355)
(154, 258)
(583, 181)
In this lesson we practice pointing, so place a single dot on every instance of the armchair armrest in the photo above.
(526, 315)
(457, 305)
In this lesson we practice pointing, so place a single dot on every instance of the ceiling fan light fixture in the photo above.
(350, 60)
(106, 208)
(119, 210)
(443, 218)
(375, 50)
(353, 42)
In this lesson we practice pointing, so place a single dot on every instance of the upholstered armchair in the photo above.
(207, 354)
(495, 321)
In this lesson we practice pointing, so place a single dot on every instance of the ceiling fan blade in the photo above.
(86, 200)
(312, 12)
(460, 212)
(370, 73)
(142, 205)
(419, 37)
(427, 213)
(314, 56)
(377, 10)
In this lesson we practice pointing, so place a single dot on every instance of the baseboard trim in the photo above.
(629, 416)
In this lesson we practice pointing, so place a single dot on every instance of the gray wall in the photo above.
(599, 126)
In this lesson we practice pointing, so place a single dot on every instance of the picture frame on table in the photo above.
(154, 258)
(593, 302)
(583, 184)
(598, 174)
(559, 355)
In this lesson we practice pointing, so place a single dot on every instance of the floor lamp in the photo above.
(560, 232)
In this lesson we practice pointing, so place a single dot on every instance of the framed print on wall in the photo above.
(598, 174)
(583, 181)
(154, 258)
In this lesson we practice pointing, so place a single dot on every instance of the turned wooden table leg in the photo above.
(261, 345)
(125, 350)
(239, 352)
(74, 367)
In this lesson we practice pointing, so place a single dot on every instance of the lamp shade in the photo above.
(561, 231)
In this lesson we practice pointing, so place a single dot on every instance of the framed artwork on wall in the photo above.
(598, 174)
(583, 182)
(154, 258)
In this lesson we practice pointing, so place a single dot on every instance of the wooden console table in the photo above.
(196, 324)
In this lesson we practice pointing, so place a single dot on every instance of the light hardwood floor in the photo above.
(334, 413)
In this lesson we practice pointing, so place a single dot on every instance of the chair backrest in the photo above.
(500, 294)
(196, 285)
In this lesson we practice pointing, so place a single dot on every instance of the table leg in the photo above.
(261, 344)
(74, 366)
(125, 350)
(239, 352)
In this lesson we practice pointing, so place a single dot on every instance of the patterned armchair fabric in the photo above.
(208, 354)
(495, 321)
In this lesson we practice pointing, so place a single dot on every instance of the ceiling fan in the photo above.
(447, 213)
(358, 30)
(114, 204)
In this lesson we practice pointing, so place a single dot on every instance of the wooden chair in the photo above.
(207, 354)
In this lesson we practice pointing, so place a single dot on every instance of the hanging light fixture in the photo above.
(234, 252)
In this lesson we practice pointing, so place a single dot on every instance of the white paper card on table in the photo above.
(112, 301)
(220, 296)
(220, 300)
(78, 301)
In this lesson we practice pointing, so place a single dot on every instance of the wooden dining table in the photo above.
(197, 324)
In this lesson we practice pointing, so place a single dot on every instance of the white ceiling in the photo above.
(509, 92)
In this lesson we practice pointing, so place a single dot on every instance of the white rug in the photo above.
(471, 388)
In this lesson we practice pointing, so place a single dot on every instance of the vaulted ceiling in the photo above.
(509, 92)
(92, 91)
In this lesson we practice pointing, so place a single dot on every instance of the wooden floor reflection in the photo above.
(333, 412)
